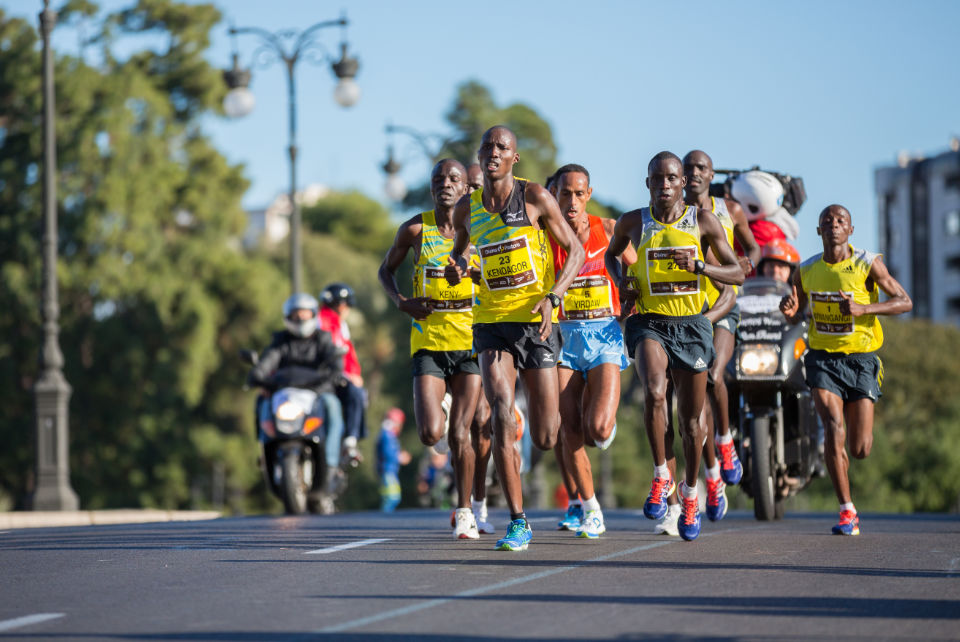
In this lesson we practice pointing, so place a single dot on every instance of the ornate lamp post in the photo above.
(51, 392)
(430, 145)
(290, 47)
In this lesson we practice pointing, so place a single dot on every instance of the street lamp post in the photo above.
(51, 392)
(239, 101)
(394, 187)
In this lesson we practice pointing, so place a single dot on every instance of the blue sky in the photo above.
(824, 90)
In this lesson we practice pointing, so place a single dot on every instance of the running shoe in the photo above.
(731, 470)
(480, 513)
(716, 499)
(656, 505)
(849, 523)
(592, 526)
(571, 519)
(668, 525)
(466, 525)
(689, 524)
(517, 538)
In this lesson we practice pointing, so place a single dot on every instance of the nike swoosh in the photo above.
(593, 254)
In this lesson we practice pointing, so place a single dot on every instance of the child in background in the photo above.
(390, 456)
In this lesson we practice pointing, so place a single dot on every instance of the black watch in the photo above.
(698, 266)
(553, 299)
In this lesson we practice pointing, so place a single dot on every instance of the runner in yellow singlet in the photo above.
(507, 220)
(669, 331)
(441, 336)
(842, 368)
(698, 169)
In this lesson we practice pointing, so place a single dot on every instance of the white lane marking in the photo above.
(413, 608)
(27, 620)
(343, 547)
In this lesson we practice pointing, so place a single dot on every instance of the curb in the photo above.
(47, 519)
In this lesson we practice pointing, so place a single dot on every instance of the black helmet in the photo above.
(336, 293)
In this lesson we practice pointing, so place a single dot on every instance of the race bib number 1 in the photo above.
(826, 313)
(663, 275)
(508, 264)
(443, 296)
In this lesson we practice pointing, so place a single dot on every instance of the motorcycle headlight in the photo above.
(288, 411)
(288, 427)
(759, 360)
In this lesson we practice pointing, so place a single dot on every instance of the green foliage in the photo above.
(356, 220)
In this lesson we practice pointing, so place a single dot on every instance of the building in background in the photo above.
(272, 225)
(919, 228)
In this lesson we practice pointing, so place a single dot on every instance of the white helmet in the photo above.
(298, 327)
(761, 196)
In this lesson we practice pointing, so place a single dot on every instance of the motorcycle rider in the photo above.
(778, 260)
(337, 299)
(304, 356)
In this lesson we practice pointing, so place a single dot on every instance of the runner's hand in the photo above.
(545, 309)
(475, 275)
(685, 260)
(419, 307)
(790, 304)
(849, 306)
(455, 270)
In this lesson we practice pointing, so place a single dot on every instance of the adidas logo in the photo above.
(699, 363)
(847, 268)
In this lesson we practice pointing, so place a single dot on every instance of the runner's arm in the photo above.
(794, 304)
(898, 303)
(458, 266)
(552, 221)
(743, 233)
(724, 303)
(407, 238)
(712, 232)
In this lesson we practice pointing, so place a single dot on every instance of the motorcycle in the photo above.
(292, 445)
(777, 422)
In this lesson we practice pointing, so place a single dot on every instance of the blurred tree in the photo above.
(156, 295)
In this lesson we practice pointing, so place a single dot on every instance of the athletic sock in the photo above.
(479, 508)
(661, 471)
(847, 506)
(574, 502)
(515, 516)
(591, 504)
(724, 439)
(689, 492)
(465, 510)
(714, 473)
(603, 445)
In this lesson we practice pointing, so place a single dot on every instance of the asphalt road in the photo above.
(402, 576)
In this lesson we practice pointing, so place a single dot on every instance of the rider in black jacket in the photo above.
(304, 356)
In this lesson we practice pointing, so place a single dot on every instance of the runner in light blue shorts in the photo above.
(588, 344)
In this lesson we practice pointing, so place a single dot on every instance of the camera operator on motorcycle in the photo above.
(778, 259)
(304, 356)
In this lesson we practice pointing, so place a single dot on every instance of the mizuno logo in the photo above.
(548, 358)
(513, 217)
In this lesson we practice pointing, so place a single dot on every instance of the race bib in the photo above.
(443, 296)
(508, 264)
(663, 275)
(826, 313)
(588, 297)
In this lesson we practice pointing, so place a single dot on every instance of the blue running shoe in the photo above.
(849, 523)
(656, 505)
(571, 519)
(731, 470)
(689, 524)
(517, 538)
(716, 499)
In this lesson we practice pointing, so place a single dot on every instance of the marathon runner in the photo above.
(843, 369)
(669, 333)
(593, 354)
(507, 220)
(441, 339)
(698, 169)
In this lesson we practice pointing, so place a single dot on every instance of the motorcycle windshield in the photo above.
(302, 399)
(760, 317)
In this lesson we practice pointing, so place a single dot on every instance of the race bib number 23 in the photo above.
(507, 264)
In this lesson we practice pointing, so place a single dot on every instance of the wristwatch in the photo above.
(698, 266)
(553, 299)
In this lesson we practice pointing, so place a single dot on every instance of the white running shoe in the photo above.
(466, 525)
(480, 512)
(592, 526)
(668, 525)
